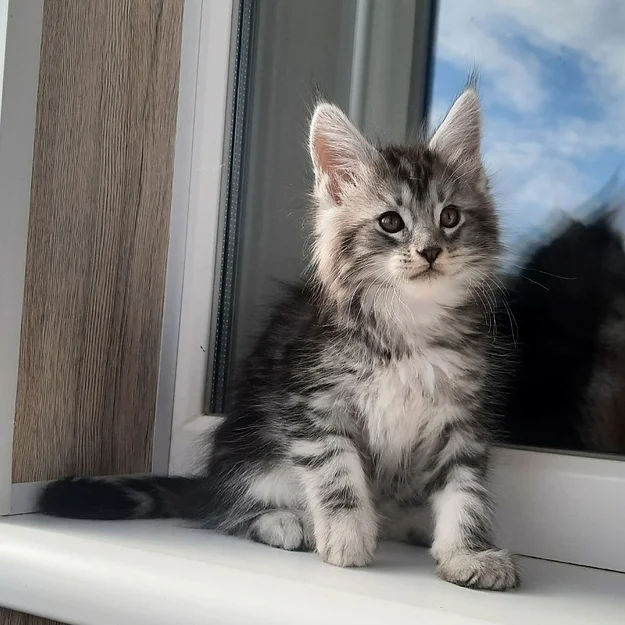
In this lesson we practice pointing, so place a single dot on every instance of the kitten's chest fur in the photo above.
(405, 404)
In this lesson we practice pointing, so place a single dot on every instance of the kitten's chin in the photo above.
(436, 287)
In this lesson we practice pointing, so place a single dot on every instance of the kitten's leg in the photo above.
(462, 544)
(339, 499)
(259, 501)
(274, 512)
(284, 529)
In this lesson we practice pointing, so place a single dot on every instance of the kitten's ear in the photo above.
(338, 151)
(458, 138)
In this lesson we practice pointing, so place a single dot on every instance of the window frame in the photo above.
(20, 81)
(549, 505)
(199, 186)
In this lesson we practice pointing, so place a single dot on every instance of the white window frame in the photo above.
(20, 44)
(554, 506)
(197, 197)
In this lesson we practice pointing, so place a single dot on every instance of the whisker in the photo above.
(546, 273)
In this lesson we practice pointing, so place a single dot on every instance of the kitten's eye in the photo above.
(450, 217)
(391, 222)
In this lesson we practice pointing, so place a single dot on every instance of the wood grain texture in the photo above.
(9, 617)
(98, 237)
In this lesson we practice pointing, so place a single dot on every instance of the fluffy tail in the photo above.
(149, 497)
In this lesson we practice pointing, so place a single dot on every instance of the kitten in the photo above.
(362, 412)
(569, 305)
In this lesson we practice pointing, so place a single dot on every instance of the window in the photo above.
(552, 90)
(355, 53)
(548, 113)
(249, 69)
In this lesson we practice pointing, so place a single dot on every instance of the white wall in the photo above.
(4, 16)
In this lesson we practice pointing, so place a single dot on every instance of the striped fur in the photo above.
(363, 412)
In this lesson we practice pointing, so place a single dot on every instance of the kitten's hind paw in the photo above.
(493, 569)
(282, 529)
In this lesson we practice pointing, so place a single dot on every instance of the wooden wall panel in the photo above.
(98, 237)
(9, 617)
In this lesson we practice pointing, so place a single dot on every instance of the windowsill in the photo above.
(156, 572)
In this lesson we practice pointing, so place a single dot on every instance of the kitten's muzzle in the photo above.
(430, 254)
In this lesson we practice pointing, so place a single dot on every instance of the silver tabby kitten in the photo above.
(361, 415)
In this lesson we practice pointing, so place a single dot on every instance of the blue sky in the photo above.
(552, 82)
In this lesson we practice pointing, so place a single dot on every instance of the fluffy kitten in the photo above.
(362, 413)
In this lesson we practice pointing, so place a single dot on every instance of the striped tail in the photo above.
(148, 497)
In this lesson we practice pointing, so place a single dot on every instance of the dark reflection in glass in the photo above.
(566, 308)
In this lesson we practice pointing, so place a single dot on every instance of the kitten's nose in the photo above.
(430, 254)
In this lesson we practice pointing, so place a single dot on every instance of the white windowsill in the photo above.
(156, 572)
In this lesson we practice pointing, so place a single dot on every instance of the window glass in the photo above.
(552, 82)
(352, 52)
(552, 87)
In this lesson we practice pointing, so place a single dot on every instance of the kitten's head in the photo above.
(414, 220)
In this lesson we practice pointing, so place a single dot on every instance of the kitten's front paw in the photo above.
(347, 540)
(493, 569)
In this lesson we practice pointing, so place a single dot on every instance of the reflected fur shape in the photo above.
(568, 304)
